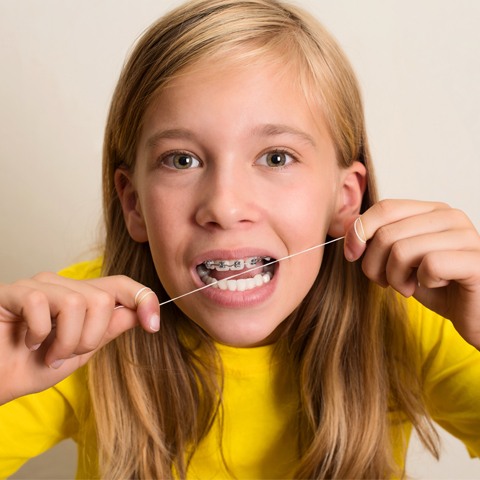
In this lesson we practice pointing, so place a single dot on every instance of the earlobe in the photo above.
(349, 198)
(132, 212)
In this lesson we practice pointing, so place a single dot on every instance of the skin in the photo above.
(232, 204)
(426, 250)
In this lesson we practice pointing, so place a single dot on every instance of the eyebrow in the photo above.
(267, 130)
(169, 134)
(271, 130)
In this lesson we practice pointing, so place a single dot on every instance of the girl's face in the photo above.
(233, 169)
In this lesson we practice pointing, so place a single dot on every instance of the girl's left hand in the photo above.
(424, 249)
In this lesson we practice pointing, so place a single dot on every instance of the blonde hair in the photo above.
(346, 340)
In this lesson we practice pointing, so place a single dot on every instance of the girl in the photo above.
(235, 138)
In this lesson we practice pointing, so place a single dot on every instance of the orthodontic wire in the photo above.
(254, 268)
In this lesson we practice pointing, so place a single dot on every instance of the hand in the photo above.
(50, 326)
(424, 249)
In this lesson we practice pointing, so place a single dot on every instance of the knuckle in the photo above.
(74, 301)
(87, 345)
(105, 301)
(123, 278)
(35, 299)
(44, 277)
(383, 237)
(384, 207)
(459, 216)
(398, 253)
(442, 206)
(40, 331)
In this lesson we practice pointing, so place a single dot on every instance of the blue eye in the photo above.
(181, 161)
(275, 159)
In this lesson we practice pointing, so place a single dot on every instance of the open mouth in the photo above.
(249, 273)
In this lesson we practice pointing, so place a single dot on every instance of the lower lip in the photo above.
(248, 298)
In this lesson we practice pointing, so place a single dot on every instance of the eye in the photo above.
(180, 161)
(276, 159)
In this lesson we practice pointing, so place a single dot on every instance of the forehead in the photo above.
(226, 104)
(278, 77)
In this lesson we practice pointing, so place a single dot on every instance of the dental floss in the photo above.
(255, 268)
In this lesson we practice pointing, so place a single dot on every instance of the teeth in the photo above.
(202, 270)
(252, 261)
(241, 284)
(222, 266)
(236, 284)
(236, 264)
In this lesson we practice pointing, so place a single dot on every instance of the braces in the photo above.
(234, 264)
(270, 263)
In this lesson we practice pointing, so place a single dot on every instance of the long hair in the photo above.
(345, 341)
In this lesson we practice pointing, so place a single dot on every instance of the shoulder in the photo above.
(83, 270)
(33, 423)
(450, 372)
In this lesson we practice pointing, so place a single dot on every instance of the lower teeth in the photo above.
(239, 285)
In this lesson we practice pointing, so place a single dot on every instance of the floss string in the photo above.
(255, 268)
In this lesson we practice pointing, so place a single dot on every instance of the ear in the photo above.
(132, 212)
(353, 182)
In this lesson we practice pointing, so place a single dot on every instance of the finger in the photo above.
(120, 321)
(69, 312)
(21, 303)
(125, 291)
(81, 314)
(100, 306)
(98, 316)
(380, 215)
(397, 249)
(438, 269)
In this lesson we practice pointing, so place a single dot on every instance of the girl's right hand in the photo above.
(50, 326)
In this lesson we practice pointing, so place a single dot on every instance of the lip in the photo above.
(226, 298)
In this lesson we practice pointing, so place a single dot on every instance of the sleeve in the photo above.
(83, 270)
(451, 375)
(32, 424)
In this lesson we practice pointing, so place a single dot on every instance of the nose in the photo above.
(228, 201)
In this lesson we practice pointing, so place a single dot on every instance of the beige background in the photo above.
(418, 63)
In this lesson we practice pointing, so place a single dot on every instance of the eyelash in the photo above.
(283, 151)
(168, 155)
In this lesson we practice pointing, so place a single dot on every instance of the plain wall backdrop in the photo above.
(418, 63)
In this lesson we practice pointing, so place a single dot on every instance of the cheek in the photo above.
(307, 213)
(164, 211)
(166, 218)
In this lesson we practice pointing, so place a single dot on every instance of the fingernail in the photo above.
(154, 323)
(35, 347)
(359, 231)
(349, 255)
(57, 363)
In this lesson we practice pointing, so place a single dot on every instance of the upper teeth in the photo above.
(235, 264)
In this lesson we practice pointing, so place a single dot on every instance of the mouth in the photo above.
(250, 273)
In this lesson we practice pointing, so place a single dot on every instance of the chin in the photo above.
(245, 336)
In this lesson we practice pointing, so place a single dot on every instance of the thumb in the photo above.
(139, 299)
(355, 241)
